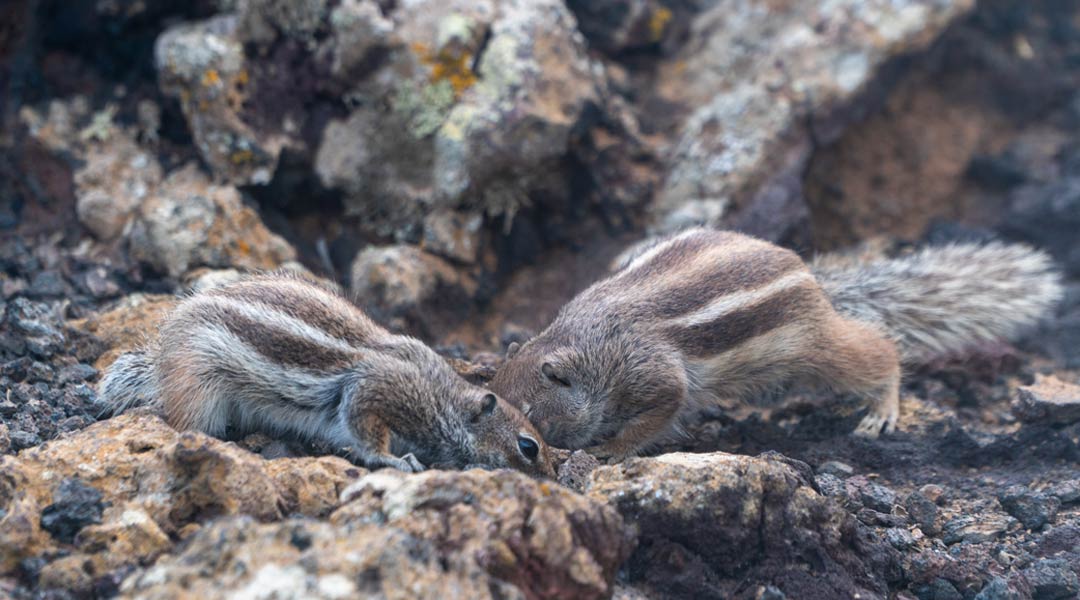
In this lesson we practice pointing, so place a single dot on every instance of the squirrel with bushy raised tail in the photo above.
(283, 354)
(708, 316)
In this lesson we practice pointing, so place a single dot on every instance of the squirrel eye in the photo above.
(528, 447)
(548, 371)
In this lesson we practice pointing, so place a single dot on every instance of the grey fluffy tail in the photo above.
(945, 299)
(129, 382)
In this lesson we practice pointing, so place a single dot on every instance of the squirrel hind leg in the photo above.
(856, 357)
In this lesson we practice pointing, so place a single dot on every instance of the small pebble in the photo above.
(836, 468)
(1032, 509)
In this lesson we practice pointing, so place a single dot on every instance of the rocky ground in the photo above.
(463, 168)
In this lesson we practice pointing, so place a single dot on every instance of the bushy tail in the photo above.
(945, 299)
(128, 382)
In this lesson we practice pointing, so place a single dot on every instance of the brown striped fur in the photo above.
(284, 354)
(698, 318)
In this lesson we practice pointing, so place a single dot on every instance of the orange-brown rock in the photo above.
(155, 483)
(473, 534)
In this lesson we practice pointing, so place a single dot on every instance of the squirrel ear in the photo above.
(512, 349)
(549, 370)
(489, 404)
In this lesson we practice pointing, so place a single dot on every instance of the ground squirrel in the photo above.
(707, 316)
(280, 353)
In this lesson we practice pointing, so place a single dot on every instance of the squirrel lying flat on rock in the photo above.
(283, 354)
(706, 316)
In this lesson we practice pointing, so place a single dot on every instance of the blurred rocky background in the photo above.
(463, 167)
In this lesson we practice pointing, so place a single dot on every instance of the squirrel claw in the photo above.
(410, 464)
(874, 425)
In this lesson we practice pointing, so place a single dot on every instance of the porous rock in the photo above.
(153, 482)
(1033, 509)
(395, 283)
(755, 517)
(117, 177)
(202, 65)
(190, 222)
(473, 534)
(132, 322)
(614, 26)
(1048, 400)
(756, 77)
(985, 527)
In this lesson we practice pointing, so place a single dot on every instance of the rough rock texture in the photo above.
(117, 177)
(470, 535)
(127, 325)
(1049, 400)
(396, 284)
(432, 104)
(172, 222)
(190, 222)
(202, 65)
(615, 26)
(434, 123)
(754, 519)
(763, 81)
(137, 484)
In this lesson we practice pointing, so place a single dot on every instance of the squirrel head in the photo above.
(503, 437)
(552, 389)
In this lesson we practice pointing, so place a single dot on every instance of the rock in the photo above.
(831, 485)
(923, 512)
(190, 222)
(401, 282)
(98, 283)
(21, 439)
(998, 589)
(1032, 509)
(1060, 539)
(142, 467)
(1049, 400)
(38, 323)
(47, 284)
(474, 534)
(5, 439)
(75, 505)
(445, 103)
(985, 527)
(203, 66)
(574, 473)
(130, 323)
(1052, 579)
(1066, 491)
(939, 589)
(39, 371)
(899, 538)
(77, 372)
(935, 493)
(747, 518)
(755, 79)
(871, 494)
(837, 469)
(115, 179)
(453, 235)
(614, 26)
